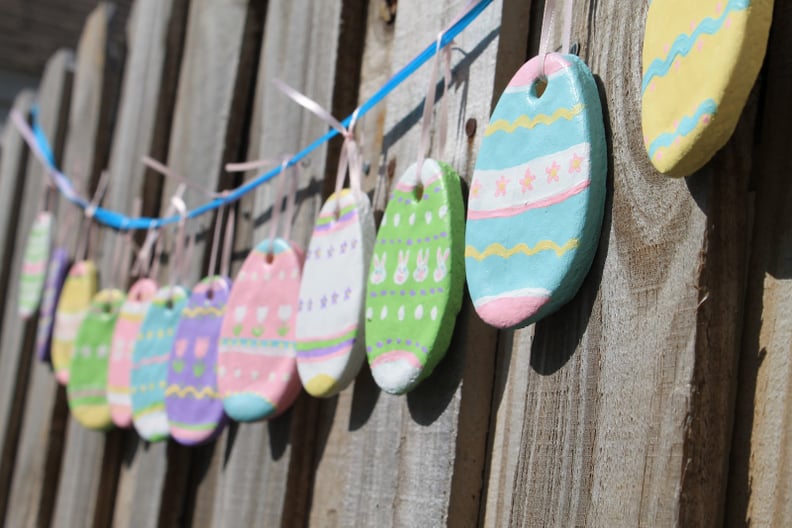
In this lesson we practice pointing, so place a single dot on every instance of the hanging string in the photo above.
(548, 20)
(349, 158)
(37, 140)
(216, 239)
(429, 103)
(122, 246)
(84, 245)
(177, 265)
(277, 206)
(228, 243)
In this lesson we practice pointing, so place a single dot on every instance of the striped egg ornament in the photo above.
(700, 62)
(416, 278)
(537, 194)
(78, 291)
(149, 374)
(57, 270)
(330, 343)
(34, 264)
(130, 319)
(192, 399)
(257, 363)
(87, 387)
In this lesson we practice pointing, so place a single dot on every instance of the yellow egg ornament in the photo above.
(700, 61)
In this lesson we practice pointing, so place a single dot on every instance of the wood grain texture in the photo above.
(211, 108)
(40, 447)
(156, 31)
(390, 448)
(617, 409)
(90, 460)
(15, 221)
(759, 492)
(32, 30)
(279, 454)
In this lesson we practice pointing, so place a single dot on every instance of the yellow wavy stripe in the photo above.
(181, 392)
(497, 249)
(530, 122)
(201, 310)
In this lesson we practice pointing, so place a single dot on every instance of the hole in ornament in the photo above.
(210, 294)
(107, 308)
(418, 191)
(539, 86)
(169, 303)
(270, 257)
(337, 213)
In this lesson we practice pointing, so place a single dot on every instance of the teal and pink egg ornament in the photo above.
(538, 193)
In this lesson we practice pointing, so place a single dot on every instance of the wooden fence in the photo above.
(659, 396)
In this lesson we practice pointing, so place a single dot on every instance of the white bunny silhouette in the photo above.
(378, 274)
(402, 271)
(442, 269)
(422, 266)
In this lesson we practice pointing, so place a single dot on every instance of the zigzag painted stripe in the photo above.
(200, 311)
(524, 121)
(181, 392)
(499, 250)
(683, 43)
(686, 126)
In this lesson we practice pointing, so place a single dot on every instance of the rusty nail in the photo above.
(470, 127)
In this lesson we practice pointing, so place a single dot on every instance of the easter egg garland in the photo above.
(127, 330)
(537, 194)
(417, 277)
(87, 387)
(700, 61)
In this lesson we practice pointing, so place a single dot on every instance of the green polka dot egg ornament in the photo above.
(87, 387)
(34, 265)
(416, 278)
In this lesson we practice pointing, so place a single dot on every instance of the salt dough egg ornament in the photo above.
(148, 378)
(537, 194)
(87, 388)
(57, 270)
(34, 264)
(75, 299)
(330, 319)
(192, 401)
(257, 373)
(417, 277)
(127, 329)
(700, 61)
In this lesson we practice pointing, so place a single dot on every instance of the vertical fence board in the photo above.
(213, 96)
(300, 46)
(399, 454)
(617, 409)
(40, 445)
(330, 472)
(14, 225)
(760, 492)
(88, 477)
(156, 29)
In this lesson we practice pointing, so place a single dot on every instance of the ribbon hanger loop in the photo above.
(548, 21)
(442, 54)
(349, 158)
(85, 246)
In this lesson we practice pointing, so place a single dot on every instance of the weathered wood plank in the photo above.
(155, 31)
(38, 456)
(617, 409)
(88, 478)
(15, 219)
(278, 455)
(402, 461)
(330, 473)
(760, 472)
(211, 111)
